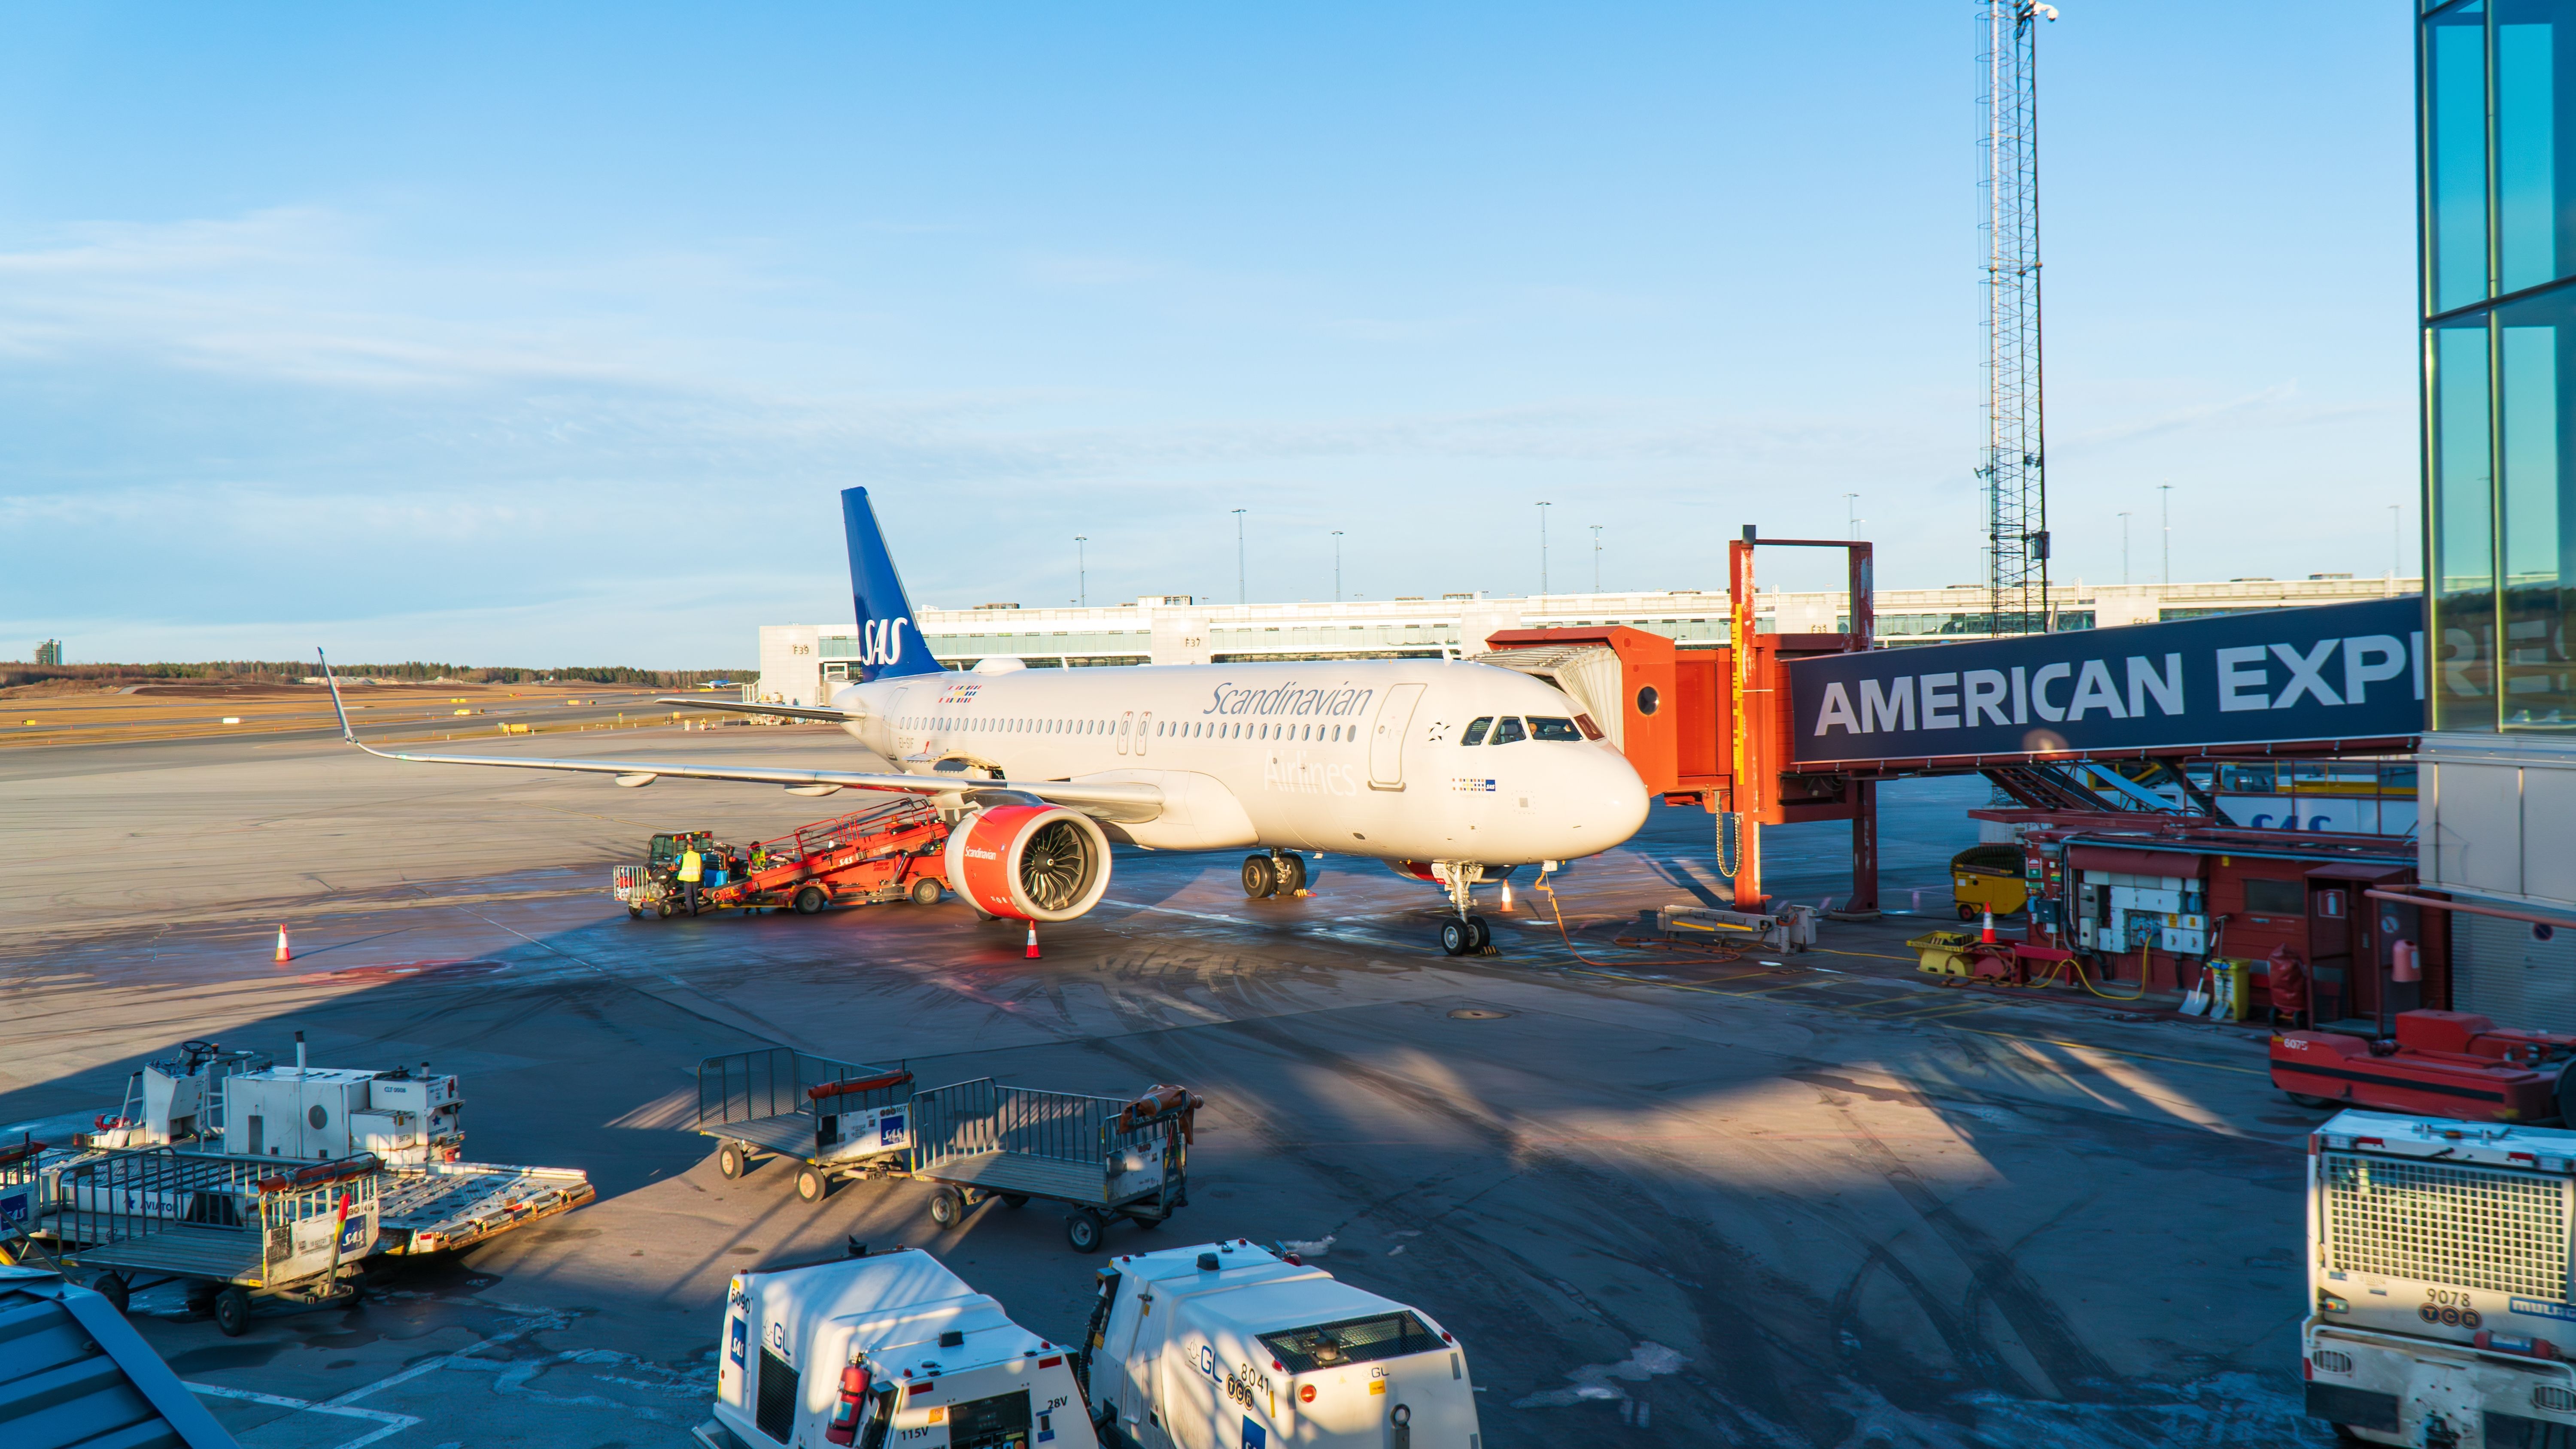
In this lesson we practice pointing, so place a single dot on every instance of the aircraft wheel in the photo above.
(1292, 874)
(810, 1184)
(811, 900)
(729, 1161)
(232, 1311)
(925, 892)
(1457, 937)
(1260, 877)
(1484, 933)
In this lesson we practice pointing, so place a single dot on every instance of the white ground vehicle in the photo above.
(892, 1349)
(1226, 1346)
(2439, 1310)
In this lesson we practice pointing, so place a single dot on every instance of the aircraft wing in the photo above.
(786, 711)
(1123, 803)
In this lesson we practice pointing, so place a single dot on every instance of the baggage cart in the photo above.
(835, 1119)
(233, 1228)
(446, 1207)
(1099, 1156)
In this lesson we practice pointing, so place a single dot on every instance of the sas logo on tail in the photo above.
(881, 641)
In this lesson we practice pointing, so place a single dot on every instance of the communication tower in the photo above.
(2016, 465)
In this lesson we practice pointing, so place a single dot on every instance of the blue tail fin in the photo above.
(890, 642)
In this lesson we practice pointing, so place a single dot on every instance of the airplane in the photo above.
(1453, 772)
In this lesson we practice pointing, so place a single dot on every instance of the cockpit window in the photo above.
(1590, 730)
(1475, 734)
(1508, 731)
(1553, 729)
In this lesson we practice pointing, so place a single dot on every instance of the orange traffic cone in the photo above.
(1507, 895)
(283, 954)
(1033, 940)
(1987, 936)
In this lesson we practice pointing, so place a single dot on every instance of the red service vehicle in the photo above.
(2435, 1064)
(893, 850)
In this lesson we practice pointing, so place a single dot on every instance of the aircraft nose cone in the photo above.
(1610, 805)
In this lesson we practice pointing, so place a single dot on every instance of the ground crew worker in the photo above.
(760, 857)
(692, 870)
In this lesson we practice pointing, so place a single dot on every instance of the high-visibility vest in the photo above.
(691, 869)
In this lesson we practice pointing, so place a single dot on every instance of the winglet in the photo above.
(338, 708)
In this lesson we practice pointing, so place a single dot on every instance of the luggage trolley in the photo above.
(1100, 1156)
(232, 1228)
(836, 1119)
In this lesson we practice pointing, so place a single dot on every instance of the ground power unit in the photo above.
(2439, 1304)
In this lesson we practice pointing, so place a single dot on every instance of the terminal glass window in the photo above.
(2535, 225)
(2537, 346)
(2463, 519)
(2455, 153)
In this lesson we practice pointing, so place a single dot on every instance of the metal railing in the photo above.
(139, 1193)
(779, 1082)
(969, 1118)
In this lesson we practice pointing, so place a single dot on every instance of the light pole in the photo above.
(1596, 558)
(1241, 594)
(2166, 492)
(1337, 565)
(1081, 572)
(1851, 515)
(2124, 548)
(1542, 549)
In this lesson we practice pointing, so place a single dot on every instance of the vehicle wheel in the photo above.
(946, 1209)
(810, 1184)
(1260, 877)
(1015, 1199)
(634, 913)
(925, 892)
(1967, 912)
(2313, 1104)
(201, 1298)
(1083, 1231)
(232, 1311)
(1292, 874)
(662, 912)
(1457, 937)
(729, 1161)
(811, 900)
(112, 1288)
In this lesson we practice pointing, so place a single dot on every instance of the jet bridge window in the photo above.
(1553, 729)
(1508, 731)
(1476, 731)
(1353, 1340)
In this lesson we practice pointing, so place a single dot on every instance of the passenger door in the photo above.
(1386, 740)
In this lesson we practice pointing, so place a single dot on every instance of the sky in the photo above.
(546, 334)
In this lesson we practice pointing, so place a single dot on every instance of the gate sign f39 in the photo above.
(2334, 672)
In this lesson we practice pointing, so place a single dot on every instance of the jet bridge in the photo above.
(2091, 720)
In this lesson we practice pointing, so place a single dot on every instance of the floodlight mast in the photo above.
(2015, 468)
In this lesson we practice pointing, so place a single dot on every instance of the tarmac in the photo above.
(1817, 1199)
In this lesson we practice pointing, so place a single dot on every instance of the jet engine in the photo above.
(1029, 862)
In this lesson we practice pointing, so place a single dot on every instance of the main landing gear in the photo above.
(1280, 873)
(1467, 935)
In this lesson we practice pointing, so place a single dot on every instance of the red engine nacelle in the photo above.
(1029, 862)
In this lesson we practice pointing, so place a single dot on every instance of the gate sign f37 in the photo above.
(2336, 672)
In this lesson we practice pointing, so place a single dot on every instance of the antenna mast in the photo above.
(2015, 470)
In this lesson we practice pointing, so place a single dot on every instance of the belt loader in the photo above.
(2439, 1308)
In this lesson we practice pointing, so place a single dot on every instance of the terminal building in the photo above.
(801, 663)
(2498, 285)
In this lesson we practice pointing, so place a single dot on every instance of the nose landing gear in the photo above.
(1468, 935)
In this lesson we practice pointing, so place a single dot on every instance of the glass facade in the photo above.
(2499, 297)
